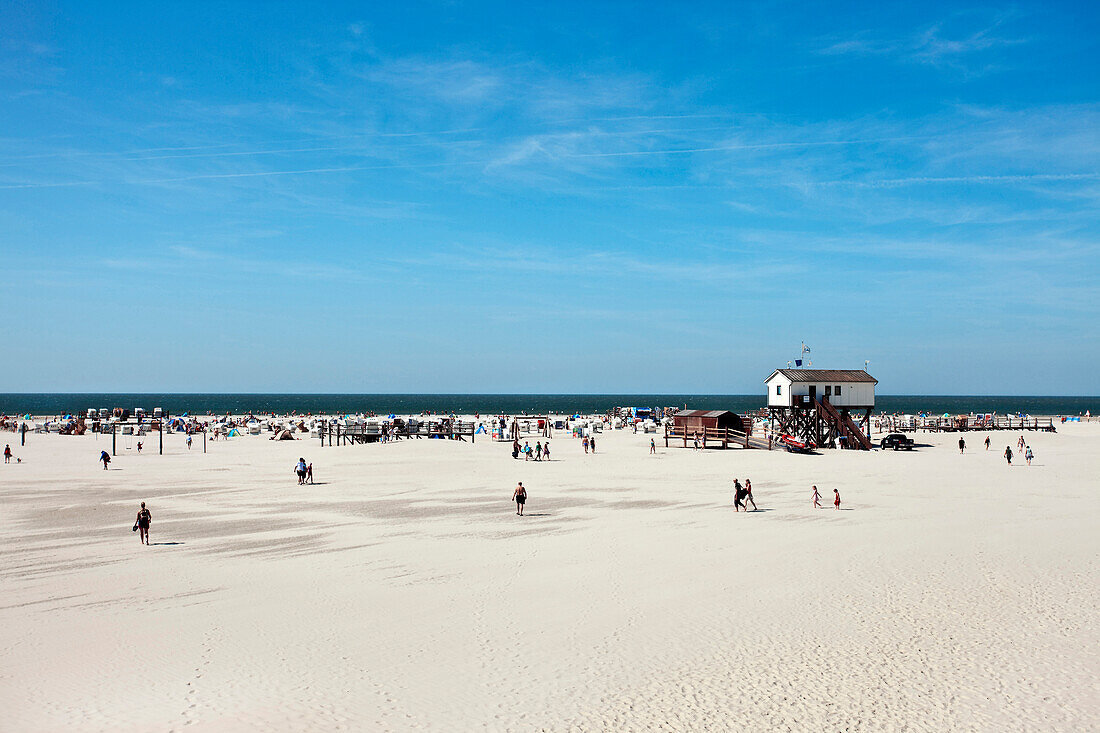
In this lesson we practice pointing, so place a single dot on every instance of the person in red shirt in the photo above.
(836, 498)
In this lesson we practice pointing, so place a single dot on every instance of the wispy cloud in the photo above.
(976, 180)
(953, 43)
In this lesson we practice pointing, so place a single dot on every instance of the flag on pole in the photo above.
(798, 362)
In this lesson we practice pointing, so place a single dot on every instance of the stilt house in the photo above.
(823, 407)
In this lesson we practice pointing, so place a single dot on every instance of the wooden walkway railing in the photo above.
(714, 437)
(373, 433)
(950, 424)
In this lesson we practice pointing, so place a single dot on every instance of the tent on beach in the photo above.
(234, 433)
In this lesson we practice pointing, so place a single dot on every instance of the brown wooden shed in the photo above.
(698, 419)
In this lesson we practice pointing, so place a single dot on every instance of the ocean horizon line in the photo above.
(534, 394)
(412, 403)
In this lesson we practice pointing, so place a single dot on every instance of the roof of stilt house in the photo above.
(824, 375)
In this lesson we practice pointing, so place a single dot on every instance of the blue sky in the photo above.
(589, 197)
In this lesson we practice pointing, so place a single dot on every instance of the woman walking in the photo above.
(817, 499)
(144, 519)
(748, 496)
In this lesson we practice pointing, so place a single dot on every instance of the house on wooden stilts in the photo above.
(823, 407)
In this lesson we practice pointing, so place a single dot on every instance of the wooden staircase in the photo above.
(844, 425)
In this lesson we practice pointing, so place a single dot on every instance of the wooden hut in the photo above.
(712, 428)
(697, 420)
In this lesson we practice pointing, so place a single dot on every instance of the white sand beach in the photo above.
(402, 591)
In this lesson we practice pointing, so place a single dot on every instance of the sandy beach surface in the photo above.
(402, 591)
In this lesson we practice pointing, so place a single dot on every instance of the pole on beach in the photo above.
(160, 430)
(114, 432)
(203, 441)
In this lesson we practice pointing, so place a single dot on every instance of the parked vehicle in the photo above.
(896, 441)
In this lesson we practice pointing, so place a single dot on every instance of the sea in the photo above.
(60, 403)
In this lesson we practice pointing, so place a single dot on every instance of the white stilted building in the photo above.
(823, 407)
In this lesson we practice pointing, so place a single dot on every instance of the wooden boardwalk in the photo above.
(966, 424)
(334, 434)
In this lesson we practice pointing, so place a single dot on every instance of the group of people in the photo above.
(742, 495)
(539, 453)
(816, 496)
(1021, 445)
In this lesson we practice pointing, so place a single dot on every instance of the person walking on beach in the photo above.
(817, 499)
(7, 453)
(105, 457)
(592, 443)
(987, 442)
(515, 448)
(962, 445)
(538, 450)
(189, 441)
(836, 498)
(1020, 443)
(1028, 455)
(526, 451)
(520, 497)
(300, 469)
(695, 440)
(1008, 454)
(309, 473)
(144, 519)
(546, 451)
(738, 496)
(140, 444)
(748, 496)
(584, 442)
(652, 446)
